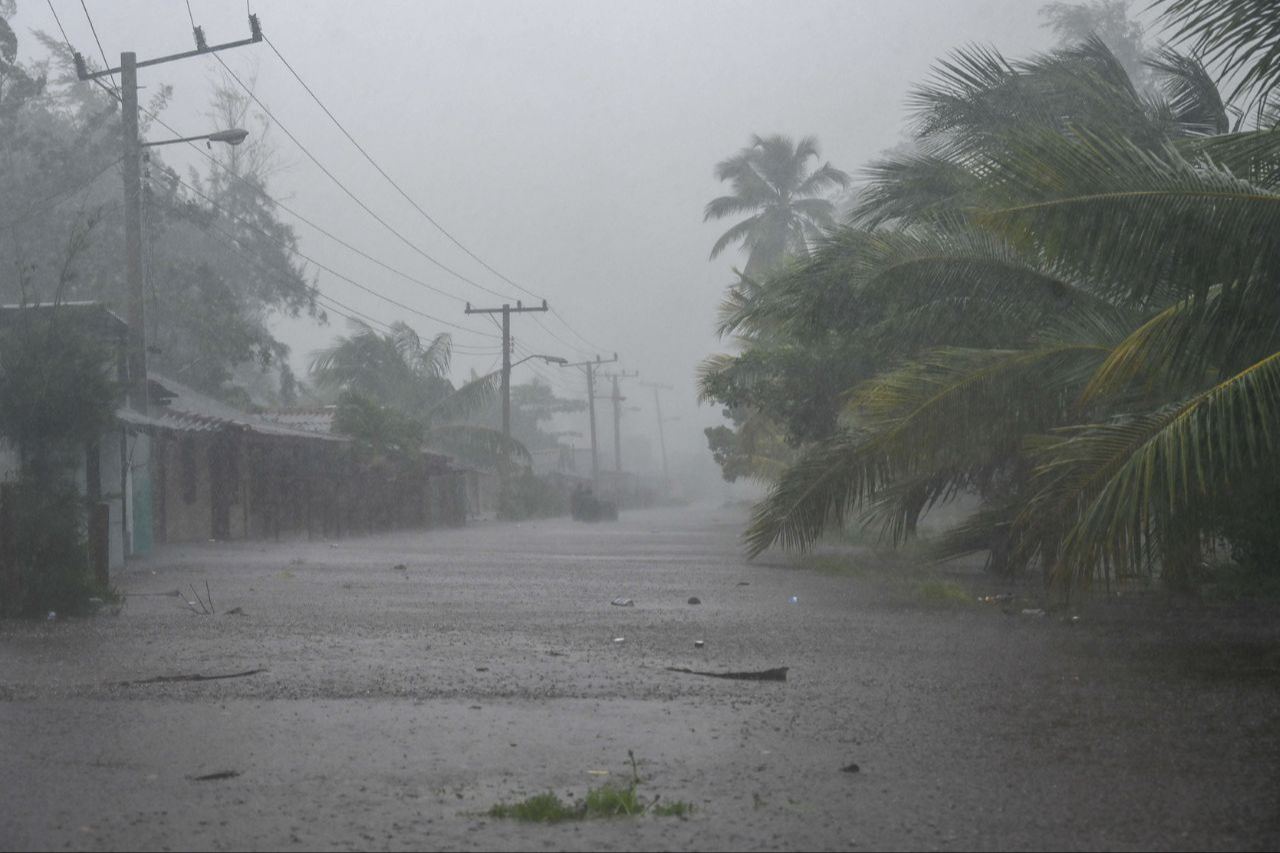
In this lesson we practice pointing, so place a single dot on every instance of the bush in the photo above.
(53, 566)
(58, 396)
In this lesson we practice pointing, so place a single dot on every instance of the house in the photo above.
(193, 469)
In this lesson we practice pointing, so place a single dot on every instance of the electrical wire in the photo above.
(235, 246)
(418, 207)
(388, 178)
(344, 188)
(105, 63)
(284, 245)
(319, 228)
(269, 198)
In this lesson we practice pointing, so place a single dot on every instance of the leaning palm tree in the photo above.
(1124, 256)
(772, 182)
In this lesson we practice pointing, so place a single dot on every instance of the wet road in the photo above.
(400, 703)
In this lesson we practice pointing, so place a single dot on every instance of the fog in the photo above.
(569, 145)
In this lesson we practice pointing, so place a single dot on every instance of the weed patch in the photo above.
(606, 801)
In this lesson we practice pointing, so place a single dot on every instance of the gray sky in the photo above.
(568, 144)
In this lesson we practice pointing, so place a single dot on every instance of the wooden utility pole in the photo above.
(662, 438)
(132, 168)
(504, 473)
(506, 311)
(617, 416)
(590, 367)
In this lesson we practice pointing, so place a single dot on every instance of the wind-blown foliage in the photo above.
(1069, 300)
(395, 395)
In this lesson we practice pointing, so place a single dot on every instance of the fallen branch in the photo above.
(779, 674)
(165, 679)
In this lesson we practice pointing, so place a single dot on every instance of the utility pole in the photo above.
(662, 438)
(591, 407)
(617, 416)
(132, 168)
(506, 311)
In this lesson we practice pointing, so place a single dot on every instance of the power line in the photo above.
(94, 30)
(319, 228)
(327, 269)
(274, 201)
(235, 245)
(389, 179)
(344, 188)
(415, 205)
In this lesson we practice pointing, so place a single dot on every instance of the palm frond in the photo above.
(740, 233)
(1192, 94)
(1125, 485)
(1135, 219)
(466, 400)
(1240, 36)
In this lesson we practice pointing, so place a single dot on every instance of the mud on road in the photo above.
(398, 704)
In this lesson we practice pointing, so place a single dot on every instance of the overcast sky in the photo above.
(570, 145)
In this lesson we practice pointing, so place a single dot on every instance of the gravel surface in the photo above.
(414, 680)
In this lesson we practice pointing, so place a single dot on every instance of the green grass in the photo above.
(608, 800)
(679, 808)
(540, 808)
(937, 591)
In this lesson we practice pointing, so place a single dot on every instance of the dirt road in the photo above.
(400, 703)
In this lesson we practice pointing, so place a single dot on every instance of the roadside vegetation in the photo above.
(1059, 295)
(606, 801)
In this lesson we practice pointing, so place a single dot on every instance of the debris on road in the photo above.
(623, 602)
(400, 567)
(795, 599)
(778, 674)
(164, 679)
(1036, 611)
(743, 583)
(235, 611)
(619, 640)
(695, 600)
(697, 644)
(852, 768)
(998, 598)
(221, 774)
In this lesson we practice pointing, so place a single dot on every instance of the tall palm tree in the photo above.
(772, 182)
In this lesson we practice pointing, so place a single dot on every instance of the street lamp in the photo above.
(549, 359)
(233, 136)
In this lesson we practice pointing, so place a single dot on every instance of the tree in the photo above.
(218, 258)
(1109, 20)
(772, 182)
(1073, 300)
(396, 372)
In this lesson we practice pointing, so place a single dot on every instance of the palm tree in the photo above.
(394, 392)
(772, 182)
(1078, 296)
(396, 369)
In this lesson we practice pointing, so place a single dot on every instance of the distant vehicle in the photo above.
(584, 506)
